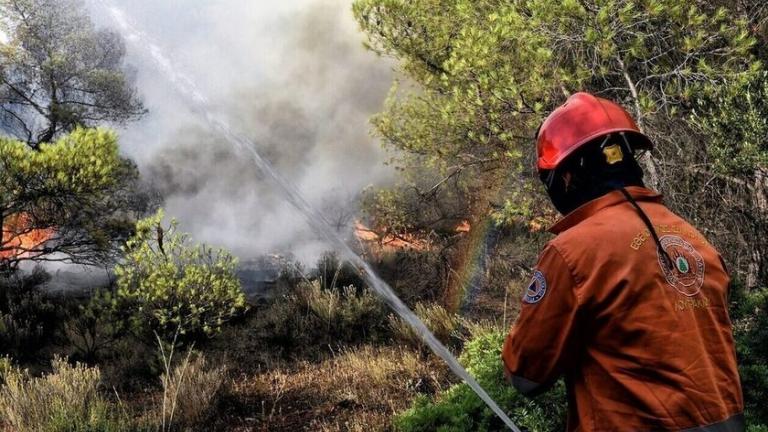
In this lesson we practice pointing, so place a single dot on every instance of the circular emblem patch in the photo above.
(536, 289)
(687, 274)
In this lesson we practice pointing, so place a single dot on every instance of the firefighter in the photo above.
(629, 301)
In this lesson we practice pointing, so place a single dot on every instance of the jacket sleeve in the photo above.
(541, 341)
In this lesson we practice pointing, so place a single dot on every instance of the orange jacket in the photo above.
(643, 347)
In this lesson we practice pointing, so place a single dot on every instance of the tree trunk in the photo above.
(757, 270)
(651, 178)
(647, 162)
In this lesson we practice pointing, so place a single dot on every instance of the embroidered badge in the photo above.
(613, 154)
(687, 274)
(536, 289)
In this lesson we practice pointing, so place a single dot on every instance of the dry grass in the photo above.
(190, 392)
(355, 390)
(65, 400)
(438, 320)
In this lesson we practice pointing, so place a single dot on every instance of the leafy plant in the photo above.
(459, 408)
(346, 314)
(749, 312)
(97, 325)
(60, 71)
(173, 286)
(27, 318)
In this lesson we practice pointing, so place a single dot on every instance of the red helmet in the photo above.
(581, 119)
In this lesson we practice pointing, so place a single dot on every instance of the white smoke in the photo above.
(295, 77)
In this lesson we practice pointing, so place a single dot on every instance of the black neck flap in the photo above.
(665, 256)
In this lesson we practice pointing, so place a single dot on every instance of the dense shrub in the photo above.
(459, 409)
(342, 315)
(174, 287)
(303, 322)
(67, 400)
(416, 276)
(333, 273)
(97, 325)
(749, 312)
(27, 318)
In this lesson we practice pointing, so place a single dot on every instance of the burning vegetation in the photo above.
(317, 349)
(20, 238)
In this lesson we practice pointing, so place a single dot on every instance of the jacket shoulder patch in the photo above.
(536, 289)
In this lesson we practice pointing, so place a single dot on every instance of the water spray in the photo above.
(199, 104)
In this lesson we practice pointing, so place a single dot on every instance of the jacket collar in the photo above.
(610, 199)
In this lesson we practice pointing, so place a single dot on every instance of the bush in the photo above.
(416, 276)
(749, 312)
(304, 322)
(333, 273)
(459, 409)
(173, 286)
(66, 400)
(343, 315)
(27, 318)
(97, 326)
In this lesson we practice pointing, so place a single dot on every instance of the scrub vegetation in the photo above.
(170, 342)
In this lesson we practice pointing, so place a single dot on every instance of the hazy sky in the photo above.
(294, 76)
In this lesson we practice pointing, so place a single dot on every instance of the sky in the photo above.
(293, 75)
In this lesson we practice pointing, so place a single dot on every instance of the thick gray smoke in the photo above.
(296, 78)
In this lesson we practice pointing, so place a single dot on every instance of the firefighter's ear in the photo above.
(567, 178)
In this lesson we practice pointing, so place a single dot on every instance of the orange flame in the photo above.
(378, 243)
(20, 239)
(389, 242)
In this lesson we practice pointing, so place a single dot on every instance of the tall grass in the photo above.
(66, 400)
(438, 320)
(190, 390)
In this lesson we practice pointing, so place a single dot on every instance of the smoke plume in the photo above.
(293, 76)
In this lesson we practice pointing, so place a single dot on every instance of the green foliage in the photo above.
(487, 72)
(70, 189)
(83, 161)
(172, 285)
(98, 325)
(27, 318)
(749, 312)
(459, 408)
(736, 122)
(342, 315)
